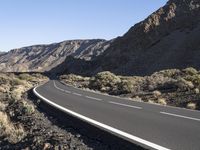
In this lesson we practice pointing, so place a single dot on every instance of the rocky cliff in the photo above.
(45, 57)
(168, 38)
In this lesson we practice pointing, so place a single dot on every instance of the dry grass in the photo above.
(162, 101)
(196, 91)
(28, 107)
(2, 106)
(2, 90)
(13, 133)
(191, 106)
(151, 101)
(17, 92)
(156, 93)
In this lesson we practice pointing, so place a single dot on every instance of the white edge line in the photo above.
(77, 94)
(186, 117)
(94, 98)
(125, 105)
(94, 122)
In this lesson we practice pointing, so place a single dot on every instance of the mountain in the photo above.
(45, 57)
(168, 38)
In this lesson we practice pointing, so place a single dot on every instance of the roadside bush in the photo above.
(125, 87)
(162, 101)
(194, 79)
(190, 71)
(28, 108)
(184, 84)
(105, 81)
(17, 81)
(26, 77)
(191, 105)
(170, 73)
(14, 133)
(17, 92)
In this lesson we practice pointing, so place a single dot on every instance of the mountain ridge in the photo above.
(168, 38)
(43, 57)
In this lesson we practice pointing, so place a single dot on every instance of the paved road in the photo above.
(151, 126)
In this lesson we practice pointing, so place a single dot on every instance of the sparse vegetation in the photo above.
(191, 105)
(167, 87)
(13, 105)
(13, 133)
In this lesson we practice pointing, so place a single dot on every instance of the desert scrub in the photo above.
(28, 108)
(104, 81)
(170, 73)
(13, 133)
(125, 87)
(75, 80)
(194, 79)
(16, 81)
(190, 71)
(157, 93)
(17, 91)
(184, 84)
(162, 101)
(191, 105)
(25, 76)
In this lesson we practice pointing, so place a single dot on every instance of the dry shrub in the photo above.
(2, 106)
(16, 81)
(157, 93)
(196, 91)
(190, 71)
(14, 133)
(162, 101)
(28, 108)
(104, 81)
(17, 92)
(191, 105)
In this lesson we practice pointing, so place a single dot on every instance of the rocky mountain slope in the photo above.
(168, 38)
(45, 57)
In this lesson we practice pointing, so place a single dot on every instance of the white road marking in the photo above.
(186, 117)
(125, 105)
(67, 91)
(94, 98)
(60, 88)
(77, 94)
(107, 127)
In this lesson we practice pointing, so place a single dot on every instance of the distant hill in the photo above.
(45, 57)
(168, 38)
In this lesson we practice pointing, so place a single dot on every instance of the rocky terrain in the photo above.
(45, 57)
(172, 87)
(169, 38)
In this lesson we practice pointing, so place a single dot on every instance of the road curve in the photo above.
(151, 126)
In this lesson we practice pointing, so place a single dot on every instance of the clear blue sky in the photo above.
(30, 22)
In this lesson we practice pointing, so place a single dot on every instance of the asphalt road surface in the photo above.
(151, 126)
